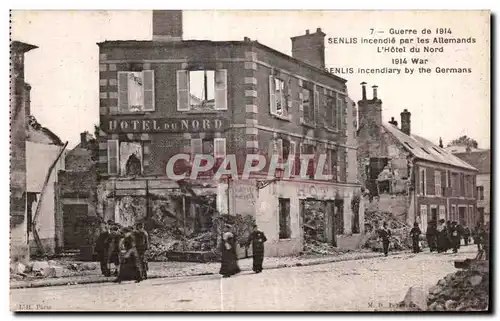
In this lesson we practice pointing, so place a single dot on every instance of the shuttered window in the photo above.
(219, 147)
(123, 91)
(437, 182)
(136, 91)
(196, 146)
(182, 90)
(339, 112)
(221, 89)
(149, 90)
(113, 159)
(292, 156)
(316, 103)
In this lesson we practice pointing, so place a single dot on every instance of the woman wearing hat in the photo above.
(229, 264)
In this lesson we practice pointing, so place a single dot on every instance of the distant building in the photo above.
(481, 159)
(408, 175)
(168, 96)
(77, 196)
(43, 149)
(19, 109)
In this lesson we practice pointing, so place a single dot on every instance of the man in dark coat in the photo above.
(454, 236)
(466, 235)
(415, 236)
(431, 235)
(257, 239)
(385, 234)
(142, 244)
(114, 248)
(102, 248)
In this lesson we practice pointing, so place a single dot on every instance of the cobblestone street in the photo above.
(361, 285)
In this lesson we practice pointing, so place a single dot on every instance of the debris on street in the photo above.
(400, 231)
(466, 290)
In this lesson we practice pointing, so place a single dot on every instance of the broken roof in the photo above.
(479, 159)
(423, 149)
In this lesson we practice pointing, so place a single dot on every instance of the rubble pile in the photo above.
(48, 269)
(465, 290)
(171, 239)
(400, 231)
(164, 240)
(322, 248)
(314, 223)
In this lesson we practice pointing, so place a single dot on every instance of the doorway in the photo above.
(434, 214)
(75, 225)
(461, 216)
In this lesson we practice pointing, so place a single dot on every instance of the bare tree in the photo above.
(464, 141)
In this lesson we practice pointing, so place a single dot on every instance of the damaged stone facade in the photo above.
(408, 176)
(264, 102)
(19, 110)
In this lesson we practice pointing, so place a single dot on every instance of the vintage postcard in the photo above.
(177, 160)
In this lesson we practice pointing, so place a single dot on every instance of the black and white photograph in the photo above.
(250, 160)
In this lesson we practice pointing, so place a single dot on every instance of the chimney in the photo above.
(406, 122)
(369, 110)
(374, 92)
(310, 48)
(83, 139)
(167, 25)
(363, 90)
(393, 122)
(440, 142)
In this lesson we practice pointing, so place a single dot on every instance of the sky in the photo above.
(63, 71)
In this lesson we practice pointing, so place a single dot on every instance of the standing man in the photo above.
(454, 237)
(466, 235)
(385, 234)
(415, 235)
(431, 235)
(142, 244)
(257, 239)
(102, 248)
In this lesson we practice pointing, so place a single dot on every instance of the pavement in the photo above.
(370, 284)
(183, 269)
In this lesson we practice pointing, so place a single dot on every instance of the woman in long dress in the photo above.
(229, 262)
(130, 265)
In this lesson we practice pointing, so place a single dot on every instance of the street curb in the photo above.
(63, 282)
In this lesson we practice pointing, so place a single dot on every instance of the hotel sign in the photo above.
(163, 125)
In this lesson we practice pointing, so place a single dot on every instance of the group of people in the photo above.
(229, 259)
(441, 236)
(124, 248)
(445, 235)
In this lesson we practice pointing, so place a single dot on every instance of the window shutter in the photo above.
(272, 99)
(291, 155)
(219, 147)
(221, 89)
(196, 146)
(182, 90)
(280, 149)
(123, 91)
(338, 113)
(113, 164)
(149, 90)
(316, 104)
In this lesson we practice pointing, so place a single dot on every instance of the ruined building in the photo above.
(168, 96)
(408, 175)
(19, 110)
